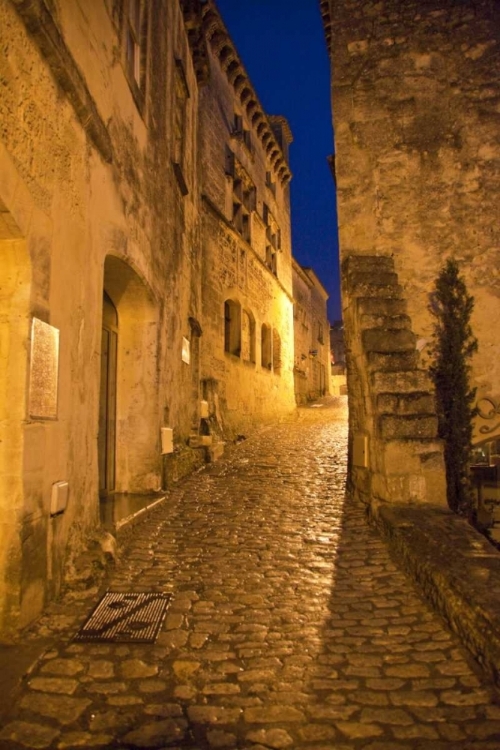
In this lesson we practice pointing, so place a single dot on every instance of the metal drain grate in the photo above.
(125, 618)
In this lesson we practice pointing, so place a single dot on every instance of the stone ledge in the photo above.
(455, 567)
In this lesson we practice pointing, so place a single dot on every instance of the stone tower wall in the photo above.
(416, 103)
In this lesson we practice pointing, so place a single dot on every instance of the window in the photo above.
(320, 333)
(276, 352)
(180, 125)
(135, 42)
(241, 133)
(232, 327)
(265, 341)
(270, 184)
(273, 240)
(247, 337)
(243, 196)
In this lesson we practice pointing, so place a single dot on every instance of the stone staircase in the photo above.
(395, 453)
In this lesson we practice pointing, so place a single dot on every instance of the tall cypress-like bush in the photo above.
(453, 346)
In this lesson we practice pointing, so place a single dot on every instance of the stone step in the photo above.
(372, 278)
(384, 321)
(386, 306)
(407, 427)
(402, 382)
(393, 362)
(380, 291)
(366, 263)
(402, 404)
(388, 340)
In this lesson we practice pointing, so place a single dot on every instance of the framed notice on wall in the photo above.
(44, 370)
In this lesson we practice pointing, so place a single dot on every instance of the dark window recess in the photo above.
(273, 240)
(243, 197)
(180, 126)
(135, 41)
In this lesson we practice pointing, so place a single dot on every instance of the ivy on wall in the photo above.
(453, 346)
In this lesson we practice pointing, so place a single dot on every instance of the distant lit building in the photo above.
(311, 335)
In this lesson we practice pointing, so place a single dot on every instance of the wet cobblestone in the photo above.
(290, 627)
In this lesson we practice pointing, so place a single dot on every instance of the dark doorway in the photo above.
(107, 398)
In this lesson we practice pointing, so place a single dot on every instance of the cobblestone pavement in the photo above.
(290, 627)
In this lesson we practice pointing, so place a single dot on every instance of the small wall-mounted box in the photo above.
(360, 451)
(59, 498)
(204, 409)
(167, 440)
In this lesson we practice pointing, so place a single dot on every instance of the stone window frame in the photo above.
(243, 134)
(273, 239)
(181, 99)
(243, 196)
(266, 347)
(276, 353)
(135, 48)
(232, 327)
(251, 337)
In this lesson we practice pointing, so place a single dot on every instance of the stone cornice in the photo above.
(326, 17)
(205, 27)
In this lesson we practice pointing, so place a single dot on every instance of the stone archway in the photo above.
(137, 465)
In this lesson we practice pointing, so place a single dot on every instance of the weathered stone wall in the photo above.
(235, 269)
(89, 201)
(311, 335)
(415, 91)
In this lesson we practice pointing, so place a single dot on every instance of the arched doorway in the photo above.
(107, 397)
(129, 411)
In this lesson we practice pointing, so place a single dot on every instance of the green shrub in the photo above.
(453, 346)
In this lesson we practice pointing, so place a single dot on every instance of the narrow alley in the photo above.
(289, 625)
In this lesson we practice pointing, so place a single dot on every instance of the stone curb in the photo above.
(456, 569)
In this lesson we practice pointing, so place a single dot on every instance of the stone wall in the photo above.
(89, 201)
(311, 336)
(415, 98)
(250, 388)
(415, 92)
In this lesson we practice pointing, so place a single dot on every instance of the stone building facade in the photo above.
(311, 335)
(128, 248)
(415, 97)
(247, 345)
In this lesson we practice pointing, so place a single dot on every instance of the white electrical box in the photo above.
(204, 409)
(59, 498)
(167, 440)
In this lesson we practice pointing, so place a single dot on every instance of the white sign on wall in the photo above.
(44, 370)
(186, 350)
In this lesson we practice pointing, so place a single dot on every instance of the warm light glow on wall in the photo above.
(44, 370)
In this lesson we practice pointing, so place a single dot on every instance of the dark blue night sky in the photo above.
(282, 47)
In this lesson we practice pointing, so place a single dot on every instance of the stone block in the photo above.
(200, 441)
(372, 278)
(401, 382)
(406, 403)
(388, 340)
(368, 321)
(386, 306)
(366, 263)
(408, 427)
(371, 289)
(216, 451)
(393, 362)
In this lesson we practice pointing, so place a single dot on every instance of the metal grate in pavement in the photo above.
(125, 618)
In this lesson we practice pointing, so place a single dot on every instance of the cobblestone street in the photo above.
(289, 627)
